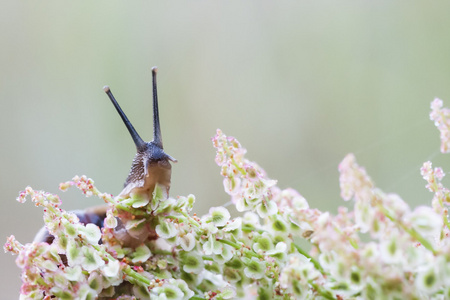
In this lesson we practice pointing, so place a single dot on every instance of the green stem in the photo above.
(136, 275)
(238, 247)
(446, 222)
(412, 232)
(237, 166)
(323, 293)
(161, 252)
(193, 222)
(230, 243)
(306, 254)
(233, 161)
(133, 211)
(41, 282)
(352, 242)
(246, 228)
(444, 216)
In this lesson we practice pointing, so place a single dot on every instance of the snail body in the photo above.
(150, 167)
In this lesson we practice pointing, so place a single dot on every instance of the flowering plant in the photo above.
(280, 248)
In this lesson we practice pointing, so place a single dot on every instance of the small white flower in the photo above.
(182, 285)
(251, 218)
(212, 246)
(225, 255)
(255, 268)
(266, 208)
(169, 292)
(279, 252)
(428, 279)
(110, 220)
(391, 249)
(219, 216)
(232, 185)
(141, 254)
(425, 221)
(233, 225)
(111, 269)
(73, 253)
(187, 241)
(95, 282)
(142, 292)
(91, 259)
(166, 229)
(192, 263)
(139, 200)
(263, 243)
(228, 292)
(90, 232)
(73, 273)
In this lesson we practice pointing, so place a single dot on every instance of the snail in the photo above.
(151, 166)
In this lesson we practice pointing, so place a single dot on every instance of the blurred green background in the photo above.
(300, 84)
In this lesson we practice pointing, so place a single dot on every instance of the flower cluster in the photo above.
(441, 118)
(279, 248)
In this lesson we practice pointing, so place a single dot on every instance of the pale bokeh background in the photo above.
(299, 84)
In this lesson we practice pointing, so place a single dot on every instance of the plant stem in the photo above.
(306, 254)
(136, 275)
(230, 243)
(412, 232)
(323, 293)
(251, 229)
(193, 222)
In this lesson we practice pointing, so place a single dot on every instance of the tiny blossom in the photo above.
(187, 241)
(168, 292)
(233, 224)
(192, 263)
(142, 292)
(12, 245)
(391, 250)
(212, 246)
(166, 230)
(92, 259)
(73, 273)
(266, 209)
(441, 118)
(225, 255)
(428, 279)
(141, 254)
(425, 221)
(353, 180)
(95, 282)
(110, 220)
(228, 293)
(208, 227)
(90, 232)
(187, 293)
(251, 218)
(232, 185)
(138, 200)
(219, 216)
(74, 253)
(111, 269)
(255, 268)
(278, 252)
(263, 243)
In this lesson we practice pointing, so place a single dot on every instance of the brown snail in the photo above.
(151, 166)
